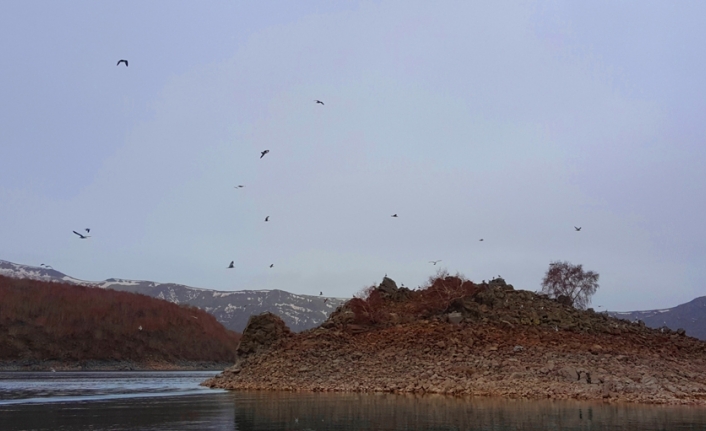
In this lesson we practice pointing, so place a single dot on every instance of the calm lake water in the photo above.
(174, 401)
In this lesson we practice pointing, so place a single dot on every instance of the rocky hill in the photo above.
(232, 309)
(46, 324)
(457, 337)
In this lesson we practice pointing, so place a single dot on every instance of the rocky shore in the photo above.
(478, 340)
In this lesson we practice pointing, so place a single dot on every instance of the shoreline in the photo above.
(96, 365)
(332, 361)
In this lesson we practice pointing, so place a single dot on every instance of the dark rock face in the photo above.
(261, 332)
(564, 300)
(388, 286)
(388, 289)
(500, 282)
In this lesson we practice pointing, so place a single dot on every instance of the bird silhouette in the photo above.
(577, 228)
(318, 101)
(480, 239)
(267, 218)
(262, 153)
(271, 265)
(434, 261)
(122, 61)
(239, 186)
(81, 235)
(231, 266)
(394, 215)
(325, 299)
(321, 293)
(88, 230)
(46, 266)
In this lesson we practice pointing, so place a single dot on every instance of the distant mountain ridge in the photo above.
(232, 309)
(690, 316)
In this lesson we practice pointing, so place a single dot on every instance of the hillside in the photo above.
(232, 309)
(44, 321)
(461, 338)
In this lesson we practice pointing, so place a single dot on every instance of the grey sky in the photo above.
(510, 122)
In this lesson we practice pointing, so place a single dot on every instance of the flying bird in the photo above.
(480, 239)
(267, 218)
(88, 230)
(325, 299)
(122, 61)
(239, 186)
(262, 153)
(81, 235)
(318, 101)
(271, 265)
(577, 228)
(394, 215)
(434, 261)
(232, 262)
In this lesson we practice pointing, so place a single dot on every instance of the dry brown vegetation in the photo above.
(53, 321)
(374, 307)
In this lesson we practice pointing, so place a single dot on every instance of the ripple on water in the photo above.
(174, 401)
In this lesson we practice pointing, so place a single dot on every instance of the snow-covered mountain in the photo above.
(232, 309)
(690, 316)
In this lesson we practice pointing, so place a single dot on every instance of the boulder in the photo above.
(499, 282)
(565, 300)
(388, 289)
(261, 332)
(570, 374)
(455, 317)
(490, 297)
(388, 286)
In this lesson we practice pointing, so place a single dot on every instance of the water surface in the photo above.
(152, 401)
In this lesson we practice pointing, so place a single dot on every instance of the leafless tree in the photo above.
(565, 280)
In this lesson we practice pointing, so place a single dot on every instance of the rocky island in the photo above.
(460, 338)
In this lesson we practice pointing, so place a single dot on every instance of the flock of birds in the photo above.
(263, 153)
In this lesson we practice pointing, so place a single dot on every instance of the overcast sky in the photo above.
(507, 121)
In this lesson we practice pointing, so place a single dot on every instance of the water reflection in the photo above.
(174, 401)
(46, 387)
(189, 412)
(283, 411)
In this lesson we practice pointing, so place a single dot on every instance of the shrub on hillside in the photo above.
(570, 283)
(372, 307)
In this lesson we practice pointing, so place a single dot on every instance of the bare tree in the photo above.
(570, 283)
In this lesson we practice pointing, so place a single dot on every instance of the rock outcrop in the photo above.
(261, 332)
(457, 337)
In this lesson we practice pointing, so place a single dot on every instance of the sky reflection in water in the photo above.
(174, 401)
